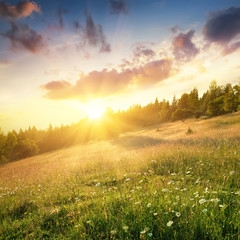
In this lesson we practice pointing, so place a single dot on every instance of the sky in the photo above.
(62, 60)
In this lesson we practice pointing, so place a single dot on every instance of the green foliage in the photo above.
(25, 148)
(197, 114)
(182, 114)
(216, 107)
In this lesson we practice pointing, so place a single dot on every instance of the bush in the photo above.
(198, 114)
(3, 159)
(189, 131)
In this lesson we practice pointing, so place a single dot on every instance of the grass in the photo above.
(143, 185)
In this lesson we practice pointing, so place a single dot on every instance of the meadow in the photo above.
(160, 182)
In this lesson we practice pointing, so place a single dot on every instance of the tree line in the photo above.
(217, 100)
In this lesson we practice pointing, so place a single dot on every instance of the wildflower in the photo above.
(113, 232)
(155, 214)
(150, 234)
(165, 190)
(178, 214)
(98, 184)
(125, 228)
(149, 205)
(222, 206)
(137, 203)
(143, 232)
(173, 174)
(232, 172)
(215, 200)
(198, 181)
(201, 201)
(204, 210)
(169, 224)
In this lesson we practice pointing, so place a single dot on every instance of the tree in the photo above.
(229, 99)
(25, 148)
(2, 146)
(181, 114)
(216, 106)
(10, 143)
(165, 113)
(184, 102)
(193, 100)
(215, 91)
(174, 105)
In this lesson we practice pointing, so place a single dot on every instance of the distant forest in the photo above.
(217, 100)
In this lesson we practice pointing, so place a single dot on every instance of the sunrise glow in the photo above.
(94, 113)
(62, 57)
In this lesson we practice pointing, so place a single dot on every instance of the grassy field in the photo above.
(155, 183)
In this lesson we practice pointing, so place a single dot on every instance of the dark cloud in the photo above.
(142, 52)
(23, 37)
(223, 27)
(184, 49)
(77, 26)
(21, 10)
(94, 35)
(106, 83)
(60, 21)
(118, 6)
(175, 29)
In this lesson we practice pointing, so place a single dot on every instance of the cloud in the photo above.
(4, 62)
(60, 22)
(184, 49)
(77, 26)
(142, 50)
(175, 29)
(223, 27)
(23, 37)
(21, 10)
(95, 36)
(106, 83)
(118, 6)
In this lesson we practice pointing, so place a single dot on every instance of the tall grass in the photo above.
(185, 187)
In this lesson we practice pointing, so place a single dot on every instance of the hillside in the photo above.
(158, 182)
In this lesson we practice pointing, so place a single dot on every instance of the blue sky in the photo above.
(66, 57)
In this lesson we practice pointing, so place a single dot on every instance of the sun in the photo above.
(94, 113)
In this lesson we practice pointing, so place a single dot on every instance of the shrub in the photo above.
(189, 131)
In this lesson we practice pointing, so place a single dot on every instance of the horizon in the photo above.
(61, 62)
